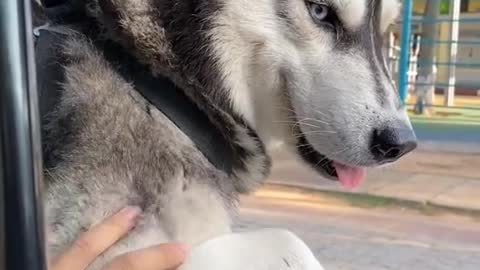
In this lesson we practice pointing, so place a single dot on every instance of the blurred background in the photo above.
(424, 211)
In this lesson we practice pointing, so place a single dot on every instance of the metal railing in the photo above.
(457, 56)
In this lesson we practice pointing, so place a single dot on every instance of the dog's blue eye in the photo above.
(319, 12)
(322, 14)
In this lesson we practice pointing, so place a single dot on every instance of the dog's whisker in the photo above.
(320, 132)
(303, 145)
(324, 161)
(313, 120)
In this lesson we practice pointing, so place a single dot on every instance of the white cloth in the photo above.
(268, 249)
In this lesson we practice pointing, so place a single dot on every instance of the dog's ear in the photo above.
(136, 23)
(134, 18)
(390, 13)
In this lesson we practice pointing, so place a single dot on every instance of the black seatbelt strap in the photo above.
(49, 68)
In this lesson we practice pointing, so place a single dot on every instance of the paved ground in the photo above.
(448, 133)
(460, 101)
(446, 136)
(450, 125)
(445, 179)
(345, 238)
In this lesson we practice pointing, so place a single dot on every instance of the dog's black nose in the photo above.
(391, 143)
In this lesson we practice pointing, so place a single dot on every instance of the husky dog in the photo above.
(310, 73)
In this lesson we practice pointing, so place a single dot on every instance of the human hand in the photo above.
(98, 239)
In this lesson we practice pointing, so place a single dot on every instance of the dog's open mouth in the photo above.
(349, 176)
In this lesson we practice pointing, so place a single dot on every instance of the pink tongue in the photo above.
(350, 177)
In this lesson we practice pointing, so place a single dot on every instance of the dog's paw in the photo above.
(258, 250)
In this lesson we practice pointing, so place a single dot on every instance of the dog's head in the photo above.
(311, 71)
(324, 58)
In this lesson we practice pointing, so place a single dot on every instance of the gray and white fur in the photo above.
(262, 70)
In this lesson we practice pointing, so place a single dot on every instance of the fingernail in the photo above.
(132, 213)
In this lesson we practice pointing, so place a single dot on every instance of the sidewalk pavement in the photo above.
(443, 179)
(449, 128)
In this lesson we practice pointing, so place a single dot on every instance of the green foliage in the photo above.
(444, 7)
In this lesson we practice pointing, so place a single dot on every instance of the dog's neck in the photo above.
(184, 41)
(165, 36)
